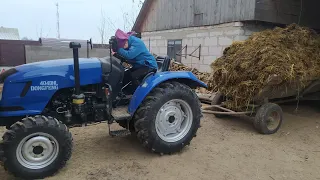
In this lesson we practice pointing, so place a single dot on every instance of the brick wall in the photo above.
(213, 40)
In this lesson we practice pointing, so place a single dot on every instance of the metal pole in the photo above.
(88, 49)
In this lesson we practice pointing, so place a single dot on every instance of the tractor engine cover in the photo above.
(29, 87)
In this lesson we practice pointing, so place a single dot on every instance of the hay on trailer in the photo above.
(291, 54)
(202, 76)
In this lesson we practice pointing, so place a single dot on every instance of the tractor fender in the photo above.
(154, 80)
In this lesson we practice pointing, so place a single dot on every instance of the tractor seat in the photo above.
(163, 63)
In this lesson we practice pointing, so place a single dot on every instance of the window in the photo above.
(174, 46)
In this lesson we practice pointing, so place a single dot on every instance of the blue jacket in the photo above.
(137, 54)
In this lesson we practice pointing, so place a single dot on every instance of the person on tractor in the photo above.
(136, 53)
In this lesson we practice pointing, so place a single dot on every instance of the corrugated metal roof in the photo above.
(9, 33)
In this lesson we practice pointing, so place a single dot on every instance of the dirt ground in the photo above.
(224, 149)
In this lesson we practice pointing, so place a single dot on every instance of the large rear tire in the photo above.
(36, 147)
(168, 118)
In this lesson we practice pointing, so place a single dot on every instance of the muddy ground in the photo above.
(224, 149)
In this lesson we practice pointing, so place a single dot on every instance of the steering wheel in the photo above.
(122, 61)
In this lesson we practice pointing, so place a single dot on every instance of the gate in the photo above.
(12, 54)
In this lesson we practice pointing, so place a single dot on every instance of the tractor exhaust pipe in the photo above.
(75, 46)
(78, 99)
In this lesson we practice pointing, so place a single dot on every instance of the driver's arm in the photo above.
(131, 53)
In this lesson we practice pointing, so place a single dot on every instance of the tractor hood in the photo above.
(58, 64)
(61, 69)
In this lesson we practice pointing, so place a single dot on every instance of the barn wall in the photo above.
(303, 12)
(175, 14)
(213, 41)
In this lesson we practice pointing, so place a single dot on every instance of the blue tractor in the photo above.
(41, 100)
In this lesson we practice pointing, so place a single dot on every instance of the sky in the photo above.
(79, 19)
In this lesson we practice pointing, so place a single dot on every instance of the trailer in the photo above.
(264, 107)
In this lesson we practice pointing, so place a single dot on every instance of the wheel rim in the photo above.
(174, 120)
(273, 121)
(37, 150)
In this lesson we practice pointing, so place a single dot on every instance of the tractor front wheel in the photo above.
(36, 147)
(168, 118)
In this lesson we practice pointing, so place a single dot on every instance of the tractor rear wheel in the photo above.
(36, 147)
(168, 118)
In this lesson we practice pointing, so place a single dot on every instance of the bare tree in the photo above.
(39, 31)
(108, 26)
(129, 18)
(140, 3)
(102, 27)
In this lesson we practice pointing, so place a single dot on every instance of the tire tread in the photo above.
(141, 122)
(24, 126)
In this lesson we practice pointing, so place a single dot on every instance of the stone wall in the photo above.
(213, 40)
(41, 53)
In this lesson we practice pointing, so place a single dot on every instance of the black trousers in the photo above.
(138, 74)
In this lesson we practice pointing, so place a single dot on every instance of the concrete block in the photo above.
(192, 35)
(234, 32)
(161, 42)
(225, 41)
(211, 41)
(195, 65)
(155, 50)
(204, 68)
(216, 33)
(153, 43)
(204, 34)
(186, 60)
(207, 60)
(241, 38)
(157, 37)
(163, 50)
(145, 38)
(204, 50)
(215, 51)
(197, 41)
(188, 64)
(187, 41)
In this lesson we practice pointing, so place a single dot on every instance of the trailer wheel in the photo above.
(268, 118)
(168, 118)
(217, 100)
(36, 147)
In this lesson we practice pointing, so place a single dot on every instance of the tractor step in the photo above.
(118, 133)
(121, 113)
